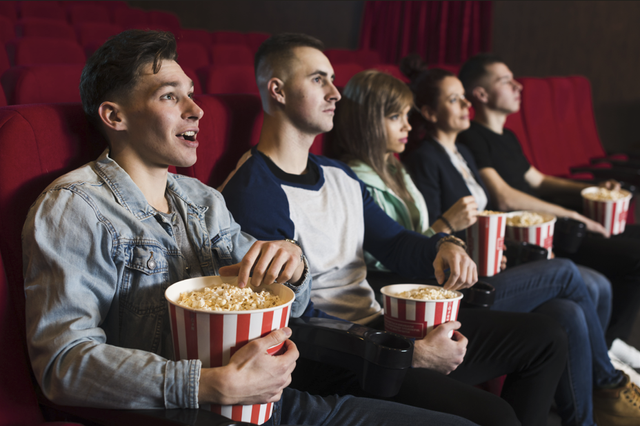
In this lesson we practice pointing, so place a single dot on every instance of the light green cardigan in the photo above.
(393, 205)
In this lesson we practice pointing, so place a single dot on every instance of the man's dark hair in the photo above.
(279, 50)
(114, 68)
(475, 68)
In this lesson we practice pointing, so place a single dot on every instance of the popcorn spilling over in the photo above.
(488, 213)
(525, 219)
(426, 293)
(604, 194)
(226, 297)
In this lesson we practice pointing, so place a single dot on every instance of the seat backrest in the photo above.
(87, 12)
(167, 19)
(43, 50)
(591, 142)
(455, 69)
(255, 39)
(341, 56)
(194, 55)
(202, 37)
(344, 72)
(394, 70)
(7, 30)
(197, 86)
(227, 37)
(95, 32)
(31, 84)
(42, 9)
(9, 9)
(227, 79)
(130, 18)
(42, 27)
(231, 54)
(367, 58)
(3, 98)
(4, 61)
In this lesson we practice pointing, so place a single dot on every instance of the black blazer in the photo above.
(436, 177)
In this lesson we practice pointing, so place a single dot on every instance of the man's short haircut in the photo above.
(114, 69)
(278, 50)
(475, 68)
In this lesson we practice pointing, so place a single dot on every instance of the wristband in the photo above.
(446, 222)
(451, 239)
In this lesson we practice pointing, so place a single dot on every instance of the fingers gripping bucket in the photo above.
(213, 337)
(612, 214)
(540, 234)
(416, 317)
(484, 242)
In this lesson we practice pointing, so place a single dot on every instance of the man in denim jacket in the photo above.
(102, 244)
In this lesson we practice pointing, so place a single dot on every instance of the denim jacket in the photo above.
(97, 260)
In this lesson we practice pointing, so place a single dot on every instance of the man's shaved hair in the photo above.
(475, 68)
(275, 54)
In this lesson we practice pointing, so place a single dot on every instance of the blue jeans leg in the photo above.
(599, 288)
(527, 287)
(300, 408)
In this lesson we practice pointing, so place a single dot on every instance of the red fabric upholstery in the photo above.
(255, 39)
(95, 32)
(394, 70)
(197, 87)
(30, 84)
(42, 9)
(87, 12)
(194, 36)
(43, 50)
(365, 58)
(9, 9)
(227, 79)
(130, 18)
(4, 61)
(449, 67)
(7, 31)
(344, 72)
(3, 99)
(440, 31)
(231, 54)
(584, 109)
(168, 19)
(227, 37)
(193, 55)
(42, 27)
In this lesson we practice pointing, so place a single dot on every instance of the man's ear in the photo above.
(428, 113)
(112, 116)
(480, 94)
(274, 88)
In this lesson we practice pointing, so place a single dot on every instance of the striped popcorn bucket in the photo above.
(485, 239)
(415, 318)
(540, 235)
(612, 214)
(213, 337)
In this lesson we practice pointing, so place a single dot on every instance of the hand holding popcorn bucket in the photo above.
(485, 239)
(608, 208)
(214, 336)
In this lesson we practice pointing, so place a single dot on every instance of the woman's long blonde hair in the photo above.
(359, 130)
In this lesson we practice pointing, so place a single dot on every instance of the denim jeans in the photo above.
(556, 288)
(298, 408)
(599, 288)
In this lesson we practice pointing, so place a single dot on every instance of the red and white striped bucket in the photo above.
(485, 239)
(213, 337)
(610, 214)
(540, 235)
(414, 317)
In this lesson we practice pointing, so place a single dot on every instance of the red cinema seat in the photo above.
(193, 55)
(394, 70)
(95, 32)
(42, 50)
(33, 84)
(4, 61)
(584, 110)
(227, 79)
(190, 72)
(367, 58)
(9, 9)
(341, 56)
(42, 27)
(231, 54)
(7, 30)
(228, 37)
(455, 69)
(129, 18)
(42, 9)
(344, 72)
(87, 12)
(255, 39)
(3, 99)
(194, 36)
(166, 19)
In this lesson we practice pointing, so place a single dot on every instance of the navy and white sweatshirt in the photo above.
(329, 211)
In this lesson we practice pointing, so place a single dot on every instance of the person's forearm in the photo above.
(518, 200)
(552, 185)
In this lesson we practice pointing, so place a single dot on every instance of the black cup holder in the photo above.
(519, 252)
(481, 295)
(568, 234)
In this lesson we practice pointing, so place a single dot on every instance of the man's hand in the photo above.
(436, 351)
(611, 184)
(252, 375)
(463, 272)
(592, 225)
(268, 262)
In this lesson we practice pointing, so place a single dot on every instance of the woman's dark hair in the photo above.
(114, 68)
(359, 132)
(425, 85)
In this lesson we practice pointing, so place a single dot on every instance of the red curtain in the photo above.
(442, 32)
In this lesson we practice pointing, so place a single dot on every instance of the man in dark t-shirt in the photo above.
(514, 184)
